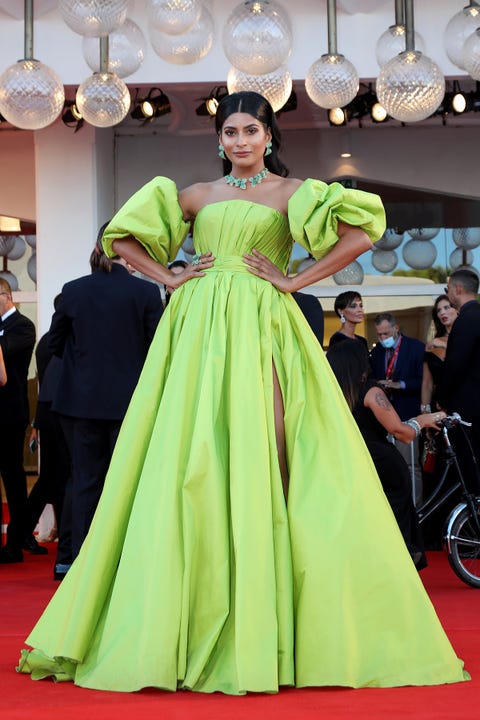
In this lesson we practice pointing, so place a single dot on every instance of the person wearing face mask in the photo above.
(397, 365)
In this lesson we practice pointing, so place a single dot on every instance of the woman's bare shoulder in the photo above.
(194, 197)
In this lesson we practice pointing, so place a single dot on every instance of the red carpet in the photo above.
(25, 589)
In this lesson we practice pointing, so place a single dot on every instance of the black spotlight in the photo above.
(208, 106)
(71, 116)
(155, 104)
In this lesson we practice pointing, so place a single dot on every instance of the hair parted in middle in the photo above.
(258, 107)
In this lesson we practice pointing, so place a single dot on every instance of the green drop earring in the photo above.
(221, 151)
(268, 148)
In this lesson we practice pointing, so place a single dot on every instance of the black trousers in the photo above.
(90, 444)
(54, 468)
(12, 438)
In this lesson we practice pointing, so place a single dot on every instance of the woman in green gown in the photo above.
(243, 541)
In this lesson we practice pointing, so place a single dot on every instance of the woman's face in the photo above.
(446, 313)
(354, 311)
(244, 139)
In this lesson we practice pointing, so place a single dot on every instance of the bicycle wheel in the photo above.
(463, 547)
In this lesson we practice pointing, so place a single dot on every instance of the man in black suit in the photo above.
(102, 329)
(311, 308)
(459, 389)
(17, 339)
(397, 365)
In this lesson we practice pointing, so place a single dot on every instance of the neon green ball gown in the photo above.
(196, 573)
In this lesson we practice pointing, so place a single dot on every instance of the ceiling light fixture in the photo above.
(153, 105)
(209, 104)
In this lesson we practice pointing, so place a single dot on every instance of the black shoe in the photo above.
(10, 555)
(60, 570)
(33, 547)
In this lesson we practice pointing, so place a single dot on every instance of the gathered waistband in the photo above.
(228, 263)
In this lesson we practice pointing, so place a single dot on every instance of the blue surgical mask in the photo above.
(389, 342)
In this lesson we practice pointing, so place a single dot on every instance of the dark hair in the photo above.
(440, 329)
(344, 299)
(258, 107)
(349, 362)
(6, 286)
(385, 316)
(175, 263)
(98, 259)
(467, 279)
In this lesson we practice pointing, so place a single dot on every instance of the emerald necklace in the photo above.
(242, 182)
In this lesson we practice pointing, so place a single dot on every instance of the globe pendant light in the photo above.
(103, 99)
(188, 48)
(419, 254)
(94, 18)
(460, 27)
(257, 37)
(392, 41)
(351, 274)
(471, 55)
(125, 50)
(389, 240)
(276, 86)
(466, 238)
(410, 86)
(332, 81)
(31, 93)
(384, 260)
(174, 17)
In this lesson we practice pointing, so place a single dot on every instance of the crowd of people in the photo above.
(216, 471)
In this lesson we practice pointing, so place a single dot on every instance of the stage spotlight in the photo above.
(155, 104)
(209, 104)
(378, 113)
(337, 116)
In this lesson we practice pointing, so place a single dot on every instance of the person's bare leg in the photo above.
(280, 431)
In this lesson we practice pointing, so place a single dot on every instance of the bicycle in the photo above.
(462, 528)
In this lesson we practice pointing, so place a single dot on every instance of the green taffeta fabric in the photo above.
(196, 573)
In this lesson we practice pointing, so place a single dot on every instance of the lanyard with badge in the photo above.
(393, 360)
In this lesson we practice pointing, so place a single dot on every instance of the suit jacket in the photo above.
(17, 338)
(459, 388)
(311, 308)
(103, 327)
(408, 368)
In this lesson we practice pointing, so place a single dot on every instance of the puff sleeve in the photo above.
(154, 217)
(315, 209)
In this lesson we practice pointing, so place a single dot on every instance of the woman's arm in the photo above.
(352, 242)
(379, 404)
(427, 387)
(135, 254)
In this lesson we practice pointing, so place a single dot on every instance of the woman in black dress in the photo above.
(349, 308)
(376, 418)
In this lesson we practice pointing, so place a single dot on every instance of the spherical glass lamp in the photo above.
(419, 254)
(32, 267)
(103, 99)
(31, 240)
(94, 18)
(456, 258)
(7, 243)
(188, 48)
(331, 81)
(276, 86)
(125, 50)
(31, 95)
(19, 248)
(423, 233)
(352, 274)
(257, 37)
(173, 17)
(410, 86)
(384, 260)
(389, 240)
(460, 27)
(10, 278)
(392, 42)
(471, 55)
(466, 238)
(305, 263)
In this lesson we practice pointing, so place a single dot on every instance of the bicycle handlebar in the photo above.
(454, 419)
